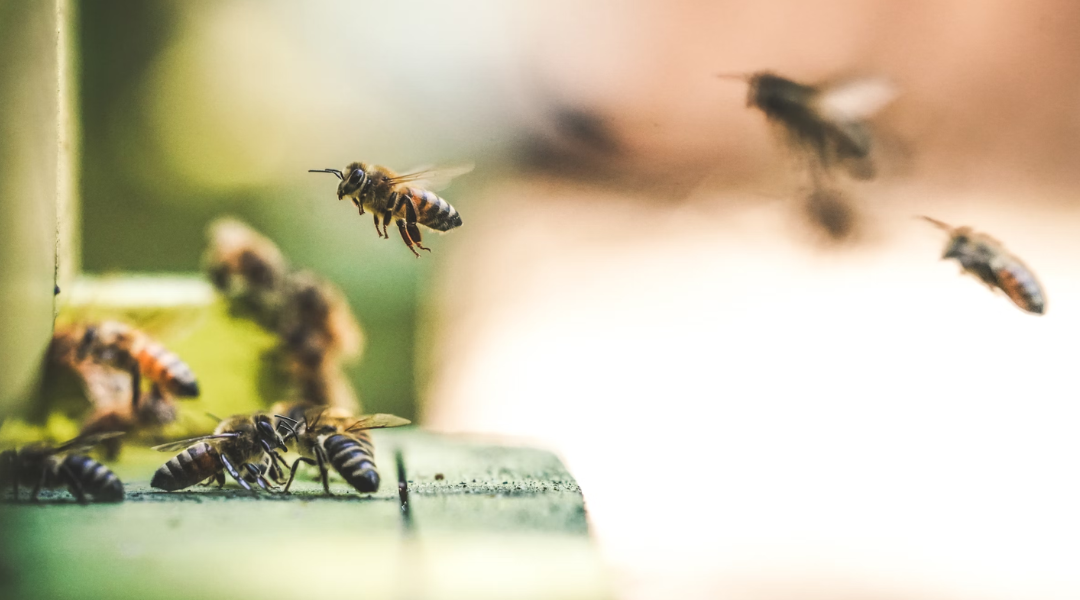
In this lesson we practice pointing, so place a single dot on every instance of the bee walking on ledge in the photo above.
(386, 195)
(43, 466)
(241, 441)
(986, 258)
(330, 436)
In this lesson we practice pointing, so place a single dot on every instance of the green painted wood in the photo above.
(503, 522)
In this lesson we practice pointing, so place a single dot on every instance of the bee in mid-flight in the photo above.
(387, 195)
(829, 121)
(986, 258)
(120, 346)
(332, 436)
(240, 441)
(41, 466)
(248, 269)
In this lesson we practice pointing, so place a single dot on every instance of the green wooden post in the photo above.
(37, 167)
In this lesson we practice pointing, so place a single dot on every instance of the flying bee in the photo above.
(986, 258)
(386, 195)
(331, 436)
(240, 441)
(829, 121)
(126, 348)
(43, 466)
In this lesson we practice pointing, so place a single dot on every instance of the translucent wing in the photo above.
(86, 441)
(377, 421)
(182, 444)
(854, 100)
(433, 179)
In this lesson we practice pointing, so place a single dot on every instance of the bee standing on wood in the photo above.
(240, 441)
(986, 258)
(328, 436)
(41, 466)
(126, 348)
(387, 196)
(828, 121)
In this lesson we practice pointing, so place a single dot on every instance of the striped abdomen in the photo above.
(197, 463)
(1020, 285)
(95, 479)
(431, 210)
(166, 369)
(354, 458)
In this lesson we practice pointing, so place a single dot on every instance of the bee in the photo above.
(240, 441)
(832, 213)
(126, 348)
(332, 436)
(248, 269)
(828, 121)
(986, 258)
(387, 196)
(43, 466)
(317, 324)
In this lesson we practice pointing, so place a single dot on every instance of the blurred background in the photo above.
(754, 409)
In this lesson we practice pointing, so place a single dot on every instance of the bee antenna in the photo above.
(284, 418)
(331, 171)
(738, 76)
(939, 224)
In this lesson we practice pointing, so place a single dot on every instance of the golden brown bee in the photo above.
(240, 441)
(828, 121)
(41, 466)
(986, 258)
(387, 196)
(332, 436)
(118, 345)
(247, 268)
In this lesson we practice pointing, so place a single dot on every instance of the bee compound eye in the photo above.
(355, 177)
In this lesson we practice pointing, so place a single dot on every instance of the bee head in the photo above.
(264, 429)
(353, 180)
(86, 342)
(773, 93)
(957, 246)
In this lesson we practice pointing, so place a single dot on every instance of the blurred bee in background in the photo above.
(109, 392)
(387, 196)
(239, 442)
(829, 121)
(987, 259)
(832, 213)
(328, 436)
(248, 269)
(41, 466)
(117, 345)
(316, 328)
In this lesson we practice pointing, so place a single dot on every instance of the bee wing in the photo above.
(377, 421)
(854, 100)
(181, 444)
(433, 178)
(86, 441)
(106, 388)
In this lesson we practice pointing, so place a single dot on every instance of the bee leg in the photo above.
(235, 475)
(136, 383)
(410, 224)
(359, 206)
(292, 473)
(257, 476)
(414, 233)
(37, 486)
(323, 471)
(375, 216)
(220, 478)
(73, 484)
(405, 236)
(387, 217)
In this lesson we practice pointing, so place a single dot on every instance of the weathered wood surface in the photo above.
(503, 522)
